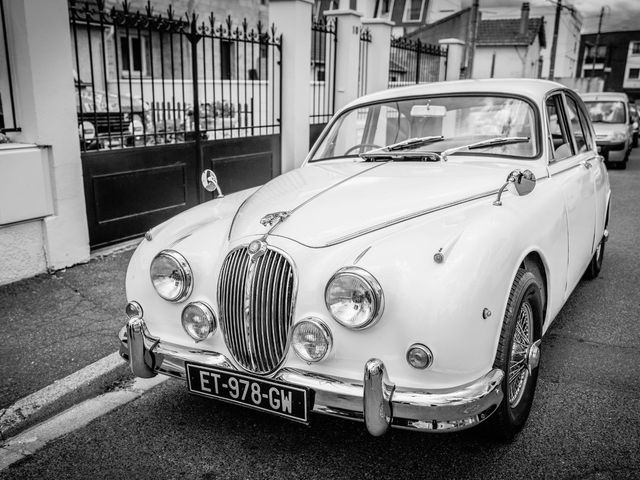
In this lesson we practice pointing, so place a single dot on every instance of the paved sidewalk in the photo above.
(54, 325)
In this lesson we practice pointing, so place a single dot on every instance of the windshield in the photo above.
(447, 122)
(606, 112)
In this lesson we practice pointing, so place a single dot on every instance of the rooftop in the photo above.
(506, 31)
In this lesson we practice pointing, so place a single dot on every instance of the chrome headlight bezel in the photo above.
(180, 264)
(325, 333)
(209, 317)
(372, 285)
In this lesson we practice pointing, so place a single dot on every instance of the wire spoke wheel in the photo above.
(518, 372)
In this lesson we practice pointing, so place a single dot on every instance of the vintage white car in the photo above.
(404, 276)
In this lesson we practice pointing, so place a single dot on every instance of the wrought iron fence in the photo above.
(412, 62)
(363, 60)
(7, 100)
(144, 78)
(323, 69)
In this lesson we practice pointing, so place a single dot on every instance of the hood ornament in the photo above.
(274, 218)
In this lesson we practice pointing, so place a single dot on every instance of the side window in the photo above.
(578, 128)
(559, 137)
(584, 121)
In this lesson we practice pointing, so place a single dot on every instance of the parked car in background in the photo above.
(609, 112)
(404, 276)
(635, 119)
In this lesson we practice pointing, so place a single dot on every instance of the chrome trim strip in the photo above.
(322, 192)
(409, 216)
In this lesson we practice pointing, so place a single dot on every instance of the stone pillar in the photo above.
(454, 57)
(46, 111)
(347, 55)
(379, 50)
(292, 19)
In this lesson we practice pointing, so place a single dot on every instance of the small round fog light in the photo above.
(419, 356)
(198, 321)
(133, 309)
(311, 340)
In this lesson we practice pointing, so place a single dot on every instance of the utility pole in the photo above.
(554, 44)
(595, 47)
(472, 35)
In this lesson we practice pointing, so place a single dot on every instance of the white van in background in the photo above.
(609, 112)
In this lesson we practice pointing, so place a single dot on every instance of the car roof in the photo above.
(605, 96)
(531, 88)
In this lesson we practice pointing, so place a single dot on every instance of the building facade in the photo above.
(615, 59)
(568, 40)
(510, 48)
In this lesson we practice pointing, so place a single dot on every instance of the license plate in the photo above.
(258, 393)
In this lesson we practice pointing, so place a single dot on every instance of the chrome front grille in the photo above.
(256, 295)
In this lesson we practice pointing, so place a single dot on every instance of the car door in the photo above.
(583, 135)
(571, 168)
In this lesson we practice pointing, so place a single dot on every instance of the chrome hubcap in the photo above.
(521, 355)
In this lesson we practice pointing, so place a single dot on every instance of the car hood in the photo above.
(606, 129)
(334, 201)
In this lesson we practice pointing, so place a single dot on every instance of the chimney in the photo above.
(524, 19)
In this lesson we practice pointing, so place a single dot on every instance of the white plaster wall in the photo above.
(40, 51)
(511, 62)
(21, 251)
(568, 34)
(438, 9)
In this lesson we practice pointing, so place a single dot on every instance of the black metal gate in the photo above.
(323, 74)
(160, 97)
(412, 62)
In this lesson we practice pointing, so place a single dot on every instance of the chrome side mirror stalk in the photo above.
(210, 182)
(523, 184)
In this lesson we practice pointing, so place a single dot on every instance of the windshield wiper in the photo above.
(389, 150)
(491, 142)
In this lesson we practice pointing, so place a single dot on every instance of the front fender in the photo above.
(455, 307)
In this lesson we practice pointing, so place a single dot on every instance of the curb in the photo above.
(88, 382)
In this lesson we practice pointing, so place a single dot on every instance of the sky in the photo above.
(619, 14)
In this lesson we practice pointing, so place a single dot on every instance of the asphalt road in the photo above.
(585, 421)
(54, 325)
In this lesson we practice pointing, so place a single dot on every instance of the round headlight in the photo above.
(354, 298)
(311, 340)
(171, 276)
(198, 321)
(618, 136)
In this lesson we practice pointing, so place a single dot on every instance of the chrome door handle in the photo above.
(586, 164)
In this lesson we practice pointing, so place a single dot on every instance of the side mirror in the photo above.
(210, 182)
(522, 183)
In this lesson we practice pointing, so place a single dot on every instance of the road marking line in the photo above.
(78, 416)
(29, 407)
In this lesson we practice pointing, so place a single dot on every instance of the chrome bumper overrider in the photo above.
(375, 399)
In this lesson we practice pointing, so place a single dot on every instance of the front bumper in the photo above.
(612, 152)
(374, 399)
